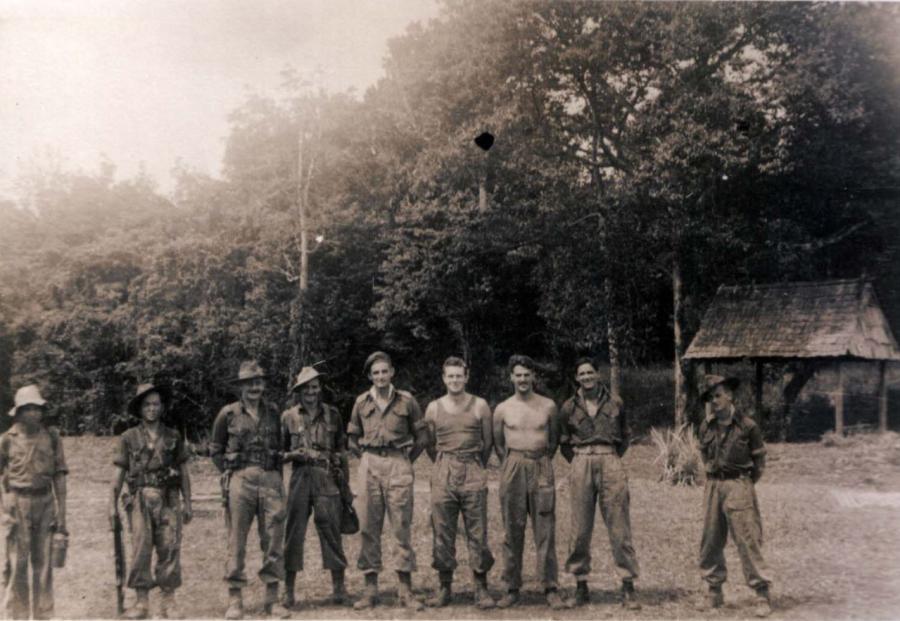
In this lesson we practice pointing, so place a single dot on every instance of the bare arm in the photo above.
(499, 439)
(553, 431)
(59, 490)
(420, 430)
(187, 511)
(487, 432)
(430, 448)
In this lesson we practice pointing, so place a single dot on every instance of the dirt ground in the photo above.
(830, 516)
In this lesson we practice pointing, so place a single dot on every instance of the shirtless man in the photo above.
(525, 439)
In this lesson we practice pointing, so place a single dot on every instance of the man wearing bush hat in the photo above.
(315, 443)
(152, 457)
(246, 447)
(33, 468)
(594, 437)
(734, 457)
(387, 429)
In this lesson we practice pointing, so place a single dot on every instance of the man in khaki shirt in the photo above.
(387, 431)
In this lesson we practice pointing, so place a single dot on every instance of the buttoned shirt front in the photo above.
(236, 432)
(138, 454)
(734, 449)
(322, 432)
(394, 427)
(31, 461)
(606, 427)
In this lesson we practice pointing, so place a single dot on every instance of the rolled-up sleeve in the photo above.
(218, 439)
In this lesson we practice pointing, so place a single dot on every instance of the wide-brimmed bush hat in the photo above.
(134, 405)
(730, 382)
(306, 374)
(27, 395)
(250, 369)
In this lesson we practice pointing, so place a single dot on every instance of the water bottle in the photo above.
(58, 546)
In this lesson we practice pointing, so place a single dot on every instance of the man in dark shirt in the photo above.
(387, 429)
(313, 435)
(153, 459)
(246, 446)
(594, 437)
(734, 456)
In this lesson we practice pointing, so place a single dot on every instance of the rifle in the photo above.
(224, 483)
(119, 554)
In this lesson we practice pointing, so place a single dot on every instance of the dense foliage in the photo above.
(645, 154)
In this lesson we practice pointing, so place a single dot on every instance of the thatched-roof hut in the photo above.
(814, 322)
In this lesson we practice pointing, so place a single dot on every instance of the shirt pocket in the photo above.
(583, 424)
(42, 461)
(396, 421)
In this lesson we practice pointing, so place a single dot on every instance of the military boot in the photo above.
(712, 599)
(339, 595)
(483, 599)
(555, 601)
(763, 606)
(582, 595)
(168, 609)
(405, 596)
(273, 607)
(509, 600)
(141, 608)
(287, 599)
(370, 596)
(442, 597)
(235, 605)
(628, 599)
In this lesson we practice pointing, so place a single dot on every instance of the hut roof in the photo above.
(825, 319)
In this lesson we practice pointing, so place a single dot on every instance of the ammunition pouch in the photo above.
(163, 478)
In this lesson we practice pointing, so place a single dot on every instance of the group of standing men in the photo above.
(251, 441)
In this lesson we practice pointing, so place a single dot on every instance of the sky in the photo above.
(151, 82)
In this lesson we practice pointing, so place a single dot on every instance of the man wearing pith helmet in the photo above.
(246, 446)
(314, 442)
(734, 455)
(33, 468)
(388, 431)
(460, 444)
(594, 437)
(152, 458)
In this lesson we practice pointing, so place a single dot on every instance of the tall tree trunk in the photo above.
(298, 312)
(680, 388)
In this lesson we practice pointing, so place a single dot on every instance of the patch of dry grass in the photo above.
(828, 561)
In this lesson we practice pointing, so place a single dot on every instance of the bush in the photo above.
(679, 453)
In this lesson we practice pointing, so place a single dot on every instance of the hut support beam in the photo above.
(882, 396)
(839, 401)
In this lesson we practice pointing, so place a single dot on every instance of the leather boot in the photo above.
(168, 609)
(274, 608)
(235, 605)
(370, 595)
(405, 596)
(628, 598)
(339, 595)
(555, 601)
(141, 608)
(763, 603)
(712, 599)
(483, 599)
(287, 599)
(442, 597)
(509, 600)
(582, 594)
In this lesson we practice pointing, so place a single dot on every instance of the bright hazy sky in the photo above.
(153, 80)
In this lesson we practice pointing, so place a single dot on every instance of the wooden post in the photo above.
(758, 388)
(882, 396)
(839, 402)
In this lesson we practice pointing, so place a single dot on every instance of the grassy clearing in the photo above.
(829, 561)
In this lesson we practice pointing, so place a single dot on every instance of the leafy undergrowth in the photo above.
(827, 561)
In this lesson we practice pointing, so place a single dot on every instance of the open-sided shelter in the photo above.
(815, 323)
